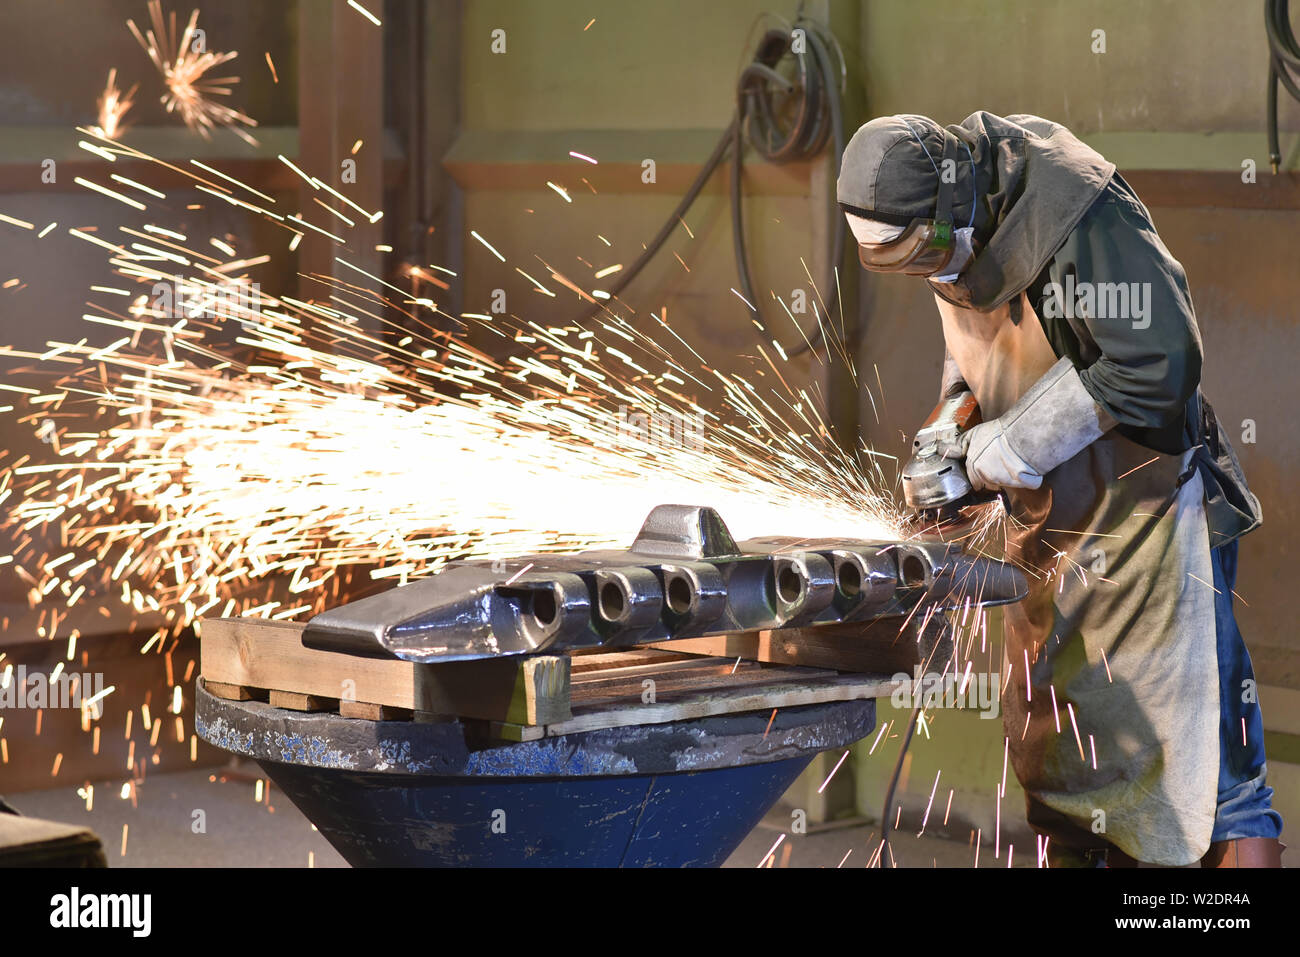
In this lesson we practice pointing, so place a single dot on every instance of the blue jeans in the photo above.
(1245, 800)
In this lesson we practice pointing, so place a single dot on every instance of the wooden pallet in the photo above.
(520, 698)
(696, 687)
(246, 658)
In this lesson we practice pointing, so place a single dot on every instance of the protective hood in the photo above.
(1033, 181)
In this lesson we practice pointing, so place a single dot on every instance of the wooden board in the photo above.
(250, 653)
(662, 685)
(786, 691)
(368, 711)
(686, 664)
(882, 647)
(297, 701)
(235, 692)
(597, 659)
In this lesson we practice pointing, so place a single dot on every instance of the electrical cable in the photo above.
(893, 786)
(706, 171)
(1283, 67)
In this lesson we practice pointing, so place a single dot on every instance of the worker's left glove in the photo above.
(1050, 424)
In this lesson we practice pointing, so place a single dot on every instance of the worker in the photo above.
(1130, 710)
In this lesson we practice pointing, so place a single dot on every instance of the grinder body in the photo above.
(936, 486)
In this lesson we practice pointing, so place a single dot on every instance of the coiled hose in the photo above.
(784, 121)
(1283, 67)
(819, 115)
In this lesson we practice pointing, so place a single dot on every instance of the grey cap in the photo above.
(885, 173)
(1033, 182)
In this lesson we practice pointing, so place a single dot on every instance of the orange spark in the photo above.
(113, 105)
(183, 72)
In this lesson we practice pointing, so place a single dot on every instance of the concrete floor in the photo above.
(239, 831)
(826, 846)
(161, 823)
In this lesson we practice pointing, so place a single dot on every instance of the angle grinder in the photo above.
(936, 486)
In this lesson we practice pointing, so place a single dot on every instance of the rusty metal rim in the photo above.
(448, 749)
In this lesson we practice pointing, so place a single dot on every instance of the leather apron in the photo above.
(1118, 627)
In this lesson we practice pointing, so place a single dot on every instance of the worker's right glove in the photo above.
(1050, 424)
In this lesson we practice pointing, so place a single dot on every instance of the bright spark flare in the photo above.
(189, 90)
(113, 105)
(250, 453)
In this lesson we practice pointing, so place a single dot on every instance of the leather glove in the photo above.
(991, 462)
(1050, 424)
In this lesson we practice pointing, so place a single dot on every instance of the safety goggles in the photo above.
(923, 249)
(925, 246)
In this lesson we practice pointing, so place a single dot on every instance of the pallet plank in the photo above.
(672, 687)
(743, 644)
(685, 664)
(873, 647)
(296, 701)
(594, 659)
(255, 653)
(370, 711)
(234, 692)
(845, 687)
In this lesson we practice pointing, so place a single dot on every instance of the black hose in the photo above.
(893, 786)
(710, 165)
(1283, 67)
(818, 117)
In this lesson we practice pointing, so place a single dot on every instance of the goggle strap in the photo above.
(943, 206)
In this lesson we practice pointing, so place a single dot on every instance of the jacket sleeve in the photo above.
(1116, 301)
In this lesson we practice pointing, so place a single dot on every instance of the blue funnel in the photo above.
(407, 794)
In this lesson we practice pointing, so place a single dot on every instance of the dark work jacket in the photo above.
(1144, 370)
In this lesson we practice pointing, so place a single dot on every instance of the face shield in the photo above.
(923, 247)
